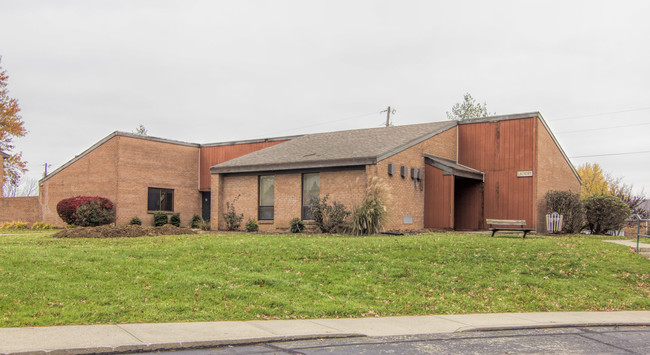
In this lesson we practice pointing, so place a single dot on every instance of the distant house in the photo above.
(441, 175)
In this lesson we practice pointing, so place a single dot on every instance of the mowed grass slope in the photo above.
(207, 277)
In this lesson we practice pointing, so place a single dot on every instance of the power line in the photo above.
(600, 114)
(598, 129)
(603, 155)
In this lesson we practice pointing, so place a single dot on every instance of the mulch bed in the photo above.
(121, 231)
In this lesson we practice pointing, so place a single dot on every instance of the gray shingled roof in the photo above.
(335, 149)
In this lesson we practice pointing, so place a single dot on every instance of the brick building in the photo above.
(440, 175)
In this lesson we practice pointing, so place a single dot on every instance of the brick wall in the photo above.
(145, 163)
(93, 174)
(2, 165)
(20, 209)
(407, 195)
(344, 186)
(121, 169)
(553, 173)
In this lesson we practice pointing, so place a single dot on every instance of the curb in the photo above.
(183, 345)
(555, 325)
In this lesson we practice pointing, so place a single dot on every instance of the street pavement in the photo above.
(594, 340)
(178, 336)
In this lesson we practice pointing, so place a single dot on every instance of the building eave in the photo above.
(293, 166)
(418, 140)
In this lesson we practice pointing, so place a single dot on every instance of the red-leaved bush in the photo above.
(67, 208)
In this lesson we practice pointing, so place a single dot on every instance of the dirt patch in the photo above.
(121, 231)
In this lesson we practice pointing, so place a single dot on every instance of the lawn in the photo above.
(207, 277)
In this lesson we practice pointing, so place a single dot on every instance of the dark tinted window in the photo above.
(160, 199)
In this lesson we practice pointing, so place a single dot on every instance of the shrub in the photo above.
(233, 220)
(41, 225)
(196, 221)
(570, 206)
(67, 208)
(296, 225)
(160, 218)
(204, 225)
(95, 212)
(175, 220)
(329, 218)
(251, 225)
(605, 213)
(14, 225)
(135, 221)
(368, 217)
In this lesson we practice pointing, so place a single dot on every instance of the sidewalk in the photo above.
(644, 248)
(152, 337)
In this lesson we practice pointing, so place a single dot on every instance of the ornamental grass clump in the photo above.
(369, 217)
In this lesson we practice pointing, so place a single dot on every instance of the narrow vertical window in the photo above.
(310, 189)
(266, 198)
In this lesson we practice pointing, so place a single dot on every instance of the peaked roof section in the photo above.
(528, 115)
(333, 149)
(4, 155)
(153, 139)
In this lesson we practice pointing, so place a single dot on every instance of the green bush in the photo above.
(135, 221)
(94, 213)
(204, 225)
(368, 217)
(329, 218)
(160, 218)
(175, 220)
(195, 223)
(570, 206)
(605, 213)
(233, 220)
(251, 225)
(296, 225)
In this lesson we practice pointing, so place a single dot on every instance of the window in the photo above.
(160, 199)
(266, 198)
(310, 189)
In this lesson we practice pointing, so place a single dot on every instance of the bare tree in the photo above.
(25, 187)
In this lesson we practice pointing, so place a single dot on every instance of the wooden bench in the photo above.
(497, 225)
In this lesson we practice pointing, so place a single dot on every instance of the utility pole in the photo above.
(46, 165)
(388, 112)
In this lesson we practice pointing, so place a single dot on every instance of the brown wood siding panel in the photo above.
(438, 199)
(500, 149)
(218, 154)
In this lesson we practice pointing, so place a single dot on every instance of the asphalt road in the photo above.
(594, 340)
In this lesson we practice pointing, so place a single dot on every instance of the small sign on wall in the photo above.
(524, 173)
(407, 219)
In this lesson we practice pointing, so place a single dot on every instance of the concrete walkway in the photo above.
(644, 248)
(151, 337)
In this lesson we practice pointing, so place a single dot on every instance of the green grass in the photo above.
(206, 277)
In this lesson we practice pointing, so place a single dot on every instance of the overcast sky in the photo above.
(212, 71)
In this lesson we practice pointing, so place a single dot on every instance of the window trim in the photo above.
(259, 199)
(160, 191)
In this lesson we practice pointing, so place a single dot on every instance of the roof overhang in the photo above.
(451, 167)
(4, 155)
(293, 165)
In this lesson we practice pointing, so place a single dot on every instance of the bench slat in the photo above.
(503, 222)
